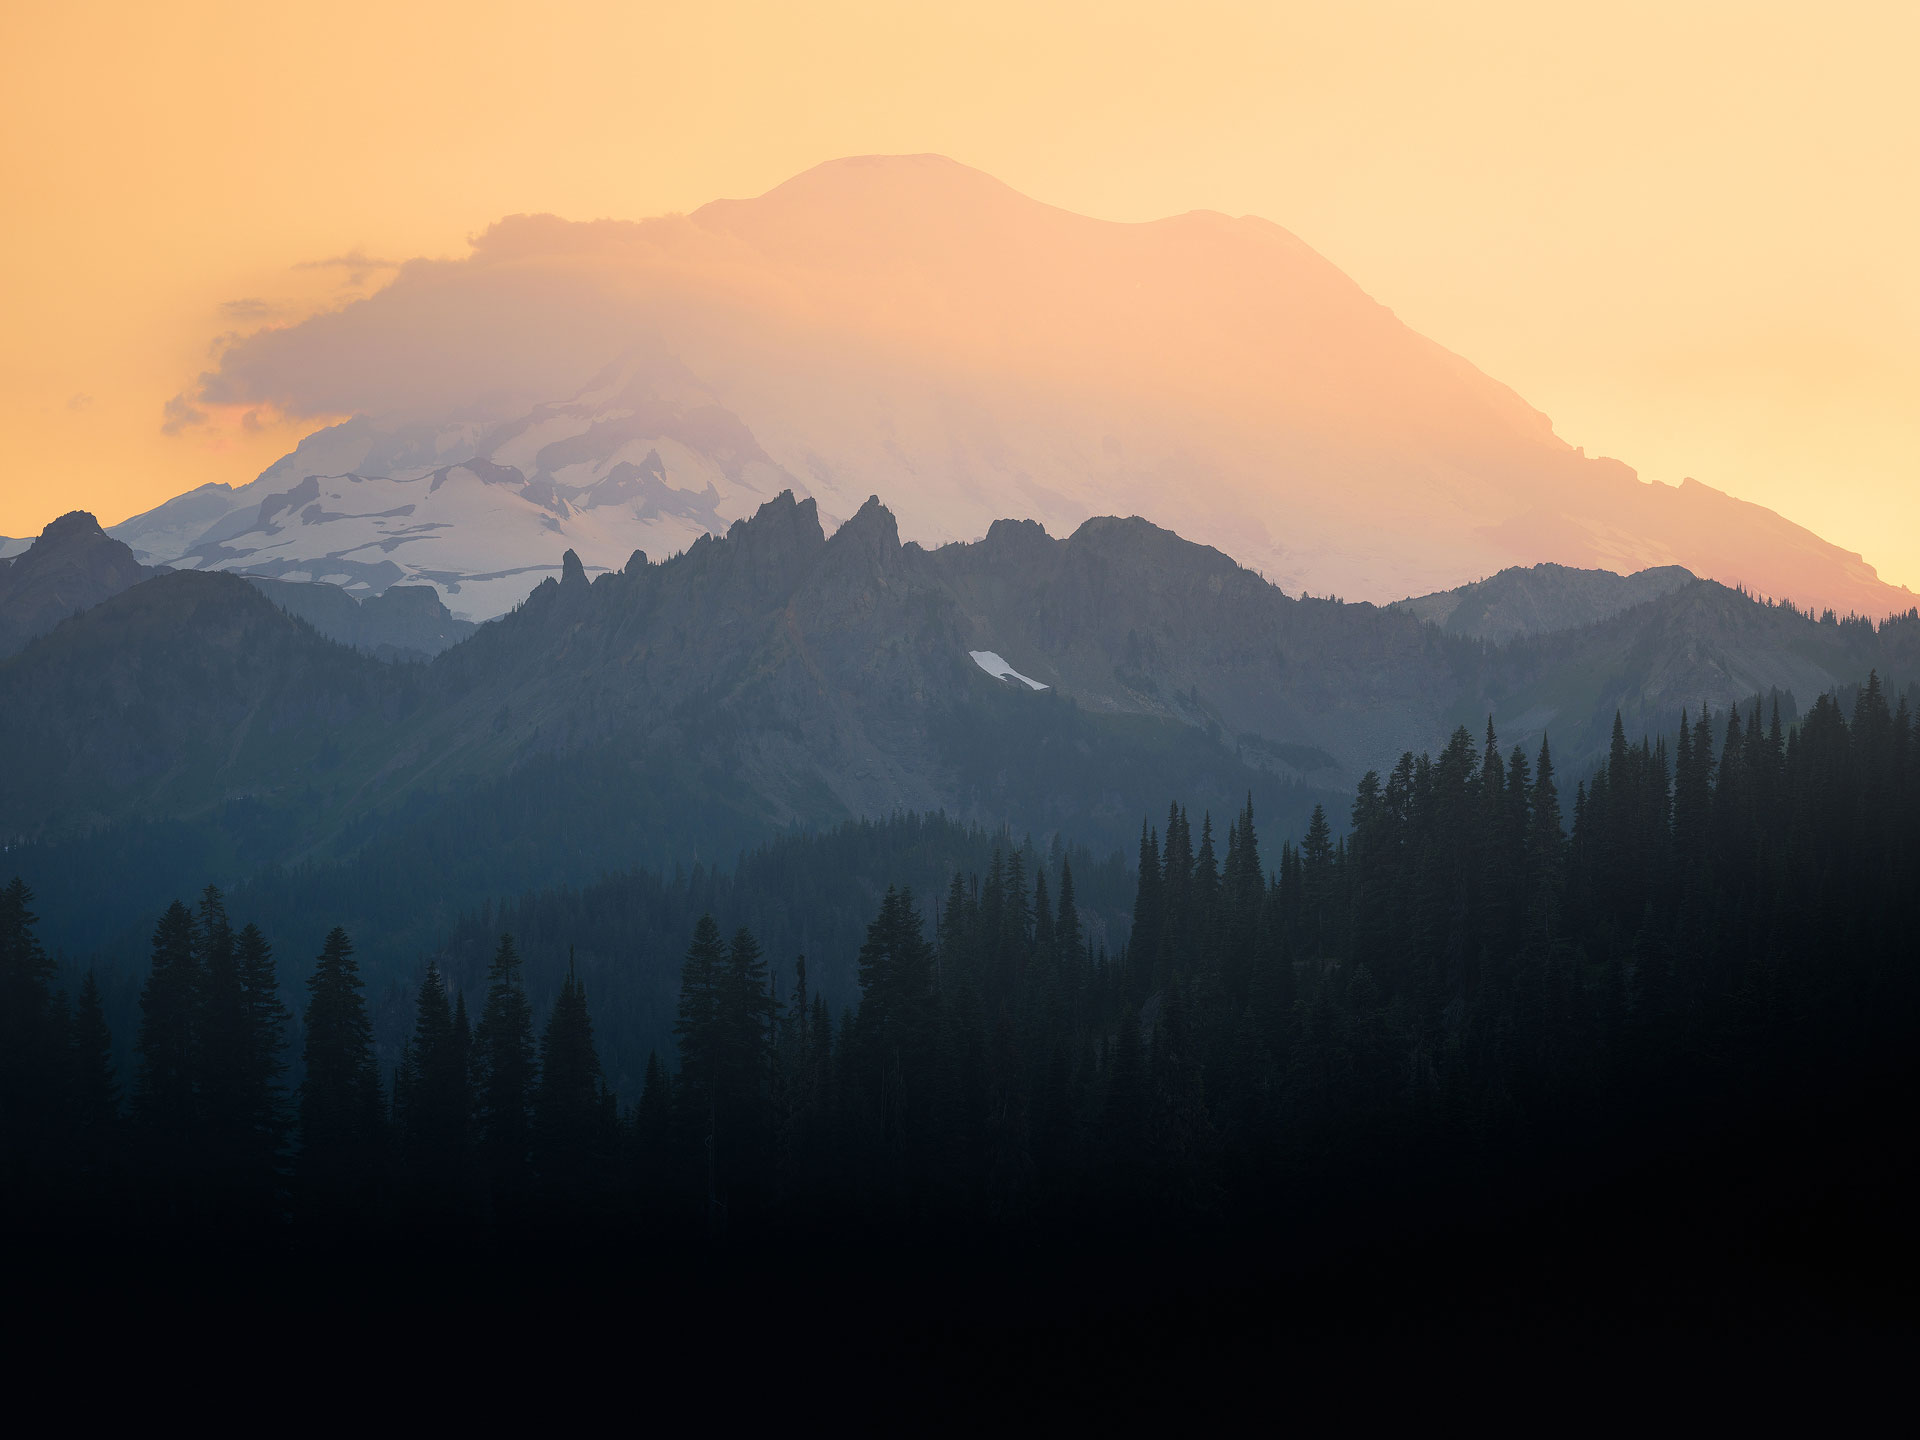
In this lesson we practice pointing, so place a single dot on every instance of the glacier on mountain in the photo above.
(636, 462)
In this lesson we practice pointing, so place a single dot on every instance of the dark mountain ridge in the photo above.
(797, 679)
(1539, 599)
(177, 694)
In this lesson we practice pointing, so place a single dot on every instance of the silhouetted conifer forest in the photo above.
(1485, 993)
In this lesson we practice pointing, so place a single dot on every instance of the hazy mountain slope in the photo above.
(909, 327)
(1124, 616)
(1542, 598)
(778, 677)
(829, 676)
(1702, 644)
(403, 622)
(772, 678)
(177, 694)
(73, 566)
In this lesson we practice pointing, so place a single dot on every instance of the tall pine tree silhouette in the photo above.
(575, 1122)
(698, 1031)
(94, 1112)
(503, 1062)
(166, 1093)
(32, 1050)
(340, 1105)
(433, 1102)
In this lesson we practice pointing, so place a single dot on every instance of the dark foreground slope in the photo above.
(1650, 1074)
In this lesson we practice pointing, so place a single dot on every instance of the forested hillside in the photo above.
(1487, 985)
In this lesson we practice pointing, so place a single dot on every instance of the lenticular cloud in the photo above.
(908, 327)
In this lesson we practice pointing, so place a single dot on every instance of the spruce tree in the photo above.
(1206, 878)
(94, 1112)
(340, 1104)
(1149, 912)
(893, 1035)
(433, 1098)
(1316, 877)
(698, 1030)
(653, 1130)
(503, 1066)
(263, 1063)
(32, 1041)
(747, 1016)
(166, 1089)
(574, 1116)
(1546, 846)
(1069, 937)
(224, 1025)
(1045, 952)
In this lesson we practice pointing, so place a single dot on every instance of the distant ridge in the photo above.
(779, 676)
(1546, 597)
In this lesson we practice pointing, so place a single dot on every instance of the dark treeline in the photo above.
(809, 893)
(624, 934)
(1484, 980)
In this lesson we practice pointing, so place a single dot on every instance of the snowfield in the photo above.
(1000, 670)
(482, 513)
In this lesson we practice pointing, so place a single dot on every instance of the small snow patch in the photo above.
(1000, 670)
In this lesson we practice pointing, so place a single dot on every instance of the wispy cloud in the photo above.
(181, 414)
(251, 307)
(540, 306)
(358, 265)
(81, 401)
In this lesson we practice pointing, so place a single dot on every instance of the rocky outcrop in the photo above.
(72, 567)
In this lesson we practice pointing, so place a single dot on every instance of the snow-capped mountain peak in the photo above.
(481, 508)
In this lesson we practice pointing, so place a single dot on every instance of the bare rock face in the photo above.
(73, 566)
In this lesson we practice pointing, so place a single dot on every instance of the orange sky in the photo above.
(1686, 232)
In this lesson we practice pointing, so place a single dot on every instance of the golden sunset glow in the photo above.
(1685, 233)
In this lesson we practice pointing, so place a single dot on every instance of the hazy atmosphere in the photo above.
(1107, 698)
(1682, 233)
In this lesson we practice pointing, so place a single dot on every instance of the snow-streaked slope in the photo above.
(480, 509)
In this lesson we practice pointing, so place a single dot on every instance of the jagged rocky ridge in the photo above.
(782, 677)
